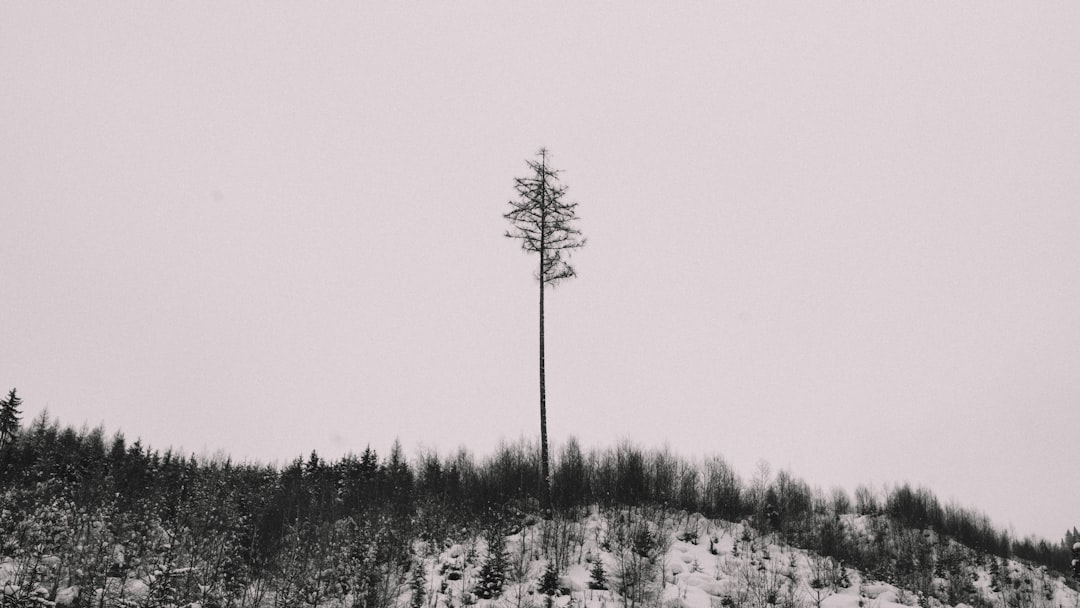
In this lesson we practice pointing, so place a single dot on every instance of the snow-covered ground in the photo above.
(703, 564)
(653, 559)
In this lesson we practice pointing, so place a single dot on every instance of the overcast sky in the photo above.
(843, 238)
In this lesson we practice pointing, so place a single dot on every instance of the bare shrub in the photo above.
(640, 540)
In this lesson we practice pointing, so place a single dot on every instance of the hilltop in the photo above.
(90, 520)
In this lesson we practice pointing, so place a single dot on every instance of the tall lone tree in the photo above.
(544, 223)
(9, 418)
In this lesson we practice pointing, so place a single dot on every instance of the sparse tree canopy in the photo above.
(544, 223)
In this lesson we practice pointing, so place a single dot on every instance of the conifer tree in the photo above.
(9, 418)
(417, 584)
(1076, 560)
(544, 223)
(549, 584)
(597, 576)
(995, 574)
(493, 572)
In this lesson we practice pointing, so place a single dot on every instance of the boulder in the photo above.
(136, 590)
(67, 596)
(568, 585)
(888, 596)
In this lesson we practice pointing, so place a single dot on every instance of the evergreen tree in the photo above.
(995, 575)
(549, 583)
(417, 585)
(9, 418)
(399, 479)
(597, 576)
(544, 223)
(493, 572)
(1076, 560)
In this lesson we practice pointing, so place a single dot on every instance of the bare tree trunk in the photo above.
(545, 472)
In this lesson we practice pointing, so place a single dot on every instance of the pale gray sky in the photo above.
(842, 237)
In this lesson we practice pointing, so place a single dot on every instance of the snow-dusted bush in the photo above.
(640, 540)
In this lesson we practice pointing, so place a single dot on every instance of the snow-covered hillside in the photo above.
(633, 557)
(83, 524)
(681, 560)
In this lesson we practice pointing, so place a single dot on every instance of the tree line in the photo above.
(139, 496)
